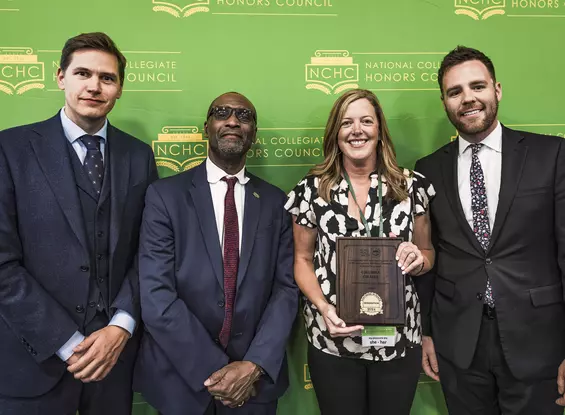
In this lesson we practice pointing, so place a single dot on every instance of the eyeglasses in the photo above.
(222, 113)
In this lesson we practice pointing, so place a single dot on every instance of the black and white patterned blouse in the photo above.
(331, 221)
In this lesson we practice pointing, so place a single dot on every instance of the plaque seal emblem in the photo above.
(371, 304)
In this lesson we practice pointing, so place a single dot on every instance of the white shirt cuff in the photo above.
(124, 320)
(67, 350)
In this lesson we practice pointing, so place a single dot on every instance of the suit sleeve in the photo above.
(560, 209)
(40, 323)
(425, 283)
(268, 346)
(128, 296)
(182, 337)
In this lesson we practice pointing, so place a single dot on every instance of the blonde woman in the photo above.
(340, 197)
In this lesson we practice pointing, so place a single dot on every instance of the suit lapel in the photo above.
(119, 165)
(513, 157)
(202, 199)
(50, 147)
(450, 177)
(251, 215)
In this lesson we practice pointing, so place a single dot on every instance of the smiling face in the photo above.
(92, 86)
(471, 99)
(230, 139)
(358, 133)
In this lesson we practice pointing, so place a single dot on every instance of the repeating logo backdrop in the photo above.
(292, 58)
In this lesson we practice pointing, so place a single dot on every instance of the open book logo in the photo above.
(332, 71)
(178, 149)
(180, 8)
(20, 70)
(480, 9)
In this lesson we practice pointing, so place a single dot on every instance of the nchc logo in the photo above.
(20, 71)
(332, 71)
(180, 148)
(181, 8)
(480, 9)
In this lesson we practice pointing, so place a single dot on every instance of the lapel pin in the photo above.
(256, 195)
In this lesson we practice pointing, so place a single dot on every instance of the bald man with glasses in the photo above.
(216, 280)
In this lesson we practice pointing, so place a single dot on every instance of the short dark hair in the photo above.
(95, 41)
(463, 54)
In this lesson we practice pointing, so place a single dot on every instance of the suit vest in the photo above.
(96, 219)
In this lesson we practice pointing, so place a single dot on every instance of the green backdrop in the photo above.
(291, 58)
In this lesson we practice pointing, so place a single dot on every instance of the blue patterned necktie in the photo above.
(93, 163)
(479, 206)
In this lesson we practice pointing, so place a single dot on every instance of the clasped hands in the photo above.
(97, 354)
(233, 384)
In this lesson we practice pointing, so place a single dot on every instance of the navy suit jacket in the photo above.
(44, 251)
(182, 297)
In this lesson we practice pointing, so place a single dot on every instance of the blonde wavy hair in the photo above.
(330, 170)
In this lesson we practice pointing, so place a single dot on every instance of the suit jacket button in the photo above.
(480, 296)
(488, 261)
(84, 268)
(92, 304)
(79, 309)
(221, 303)
(217, 341)
(100, 280)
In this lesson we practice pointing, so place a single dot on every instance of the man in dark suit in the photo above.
(216, 280)
(497, 308)
(71, 196)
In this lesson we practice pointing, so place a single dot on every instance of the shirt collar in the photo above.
(215, 173)
(493, 140)
(73, 132)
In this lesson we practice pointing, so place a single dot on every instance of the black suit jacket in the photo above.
(525, 259)
(44, 250)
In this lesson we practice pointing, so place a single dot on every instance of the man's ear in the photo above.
(60, 79)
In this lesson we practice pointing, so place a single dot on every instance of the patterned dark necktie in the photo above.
(93, 163)
(479, 206)
(231, 258)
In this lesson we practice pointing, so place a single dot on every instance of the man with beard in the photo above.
(495, 296)
(216, 280)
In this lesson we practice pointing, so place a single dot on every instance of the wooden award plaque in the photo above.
(370, 285)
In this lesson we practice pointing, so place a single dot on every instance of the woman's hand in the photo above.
(335, 325)
(409, 257)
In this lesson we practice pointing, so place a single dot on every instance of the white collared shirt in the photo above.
(73, 132)
(219, 188)
(490, 156)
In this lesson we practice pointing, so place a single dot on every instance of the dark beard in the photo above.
(490, 118)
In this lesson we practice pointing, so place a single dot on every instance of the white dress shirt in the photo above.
(490, 157)
(219, 188)
(121, 318)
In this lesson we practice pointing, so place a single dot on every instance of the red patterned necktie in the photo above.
(231, 258)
